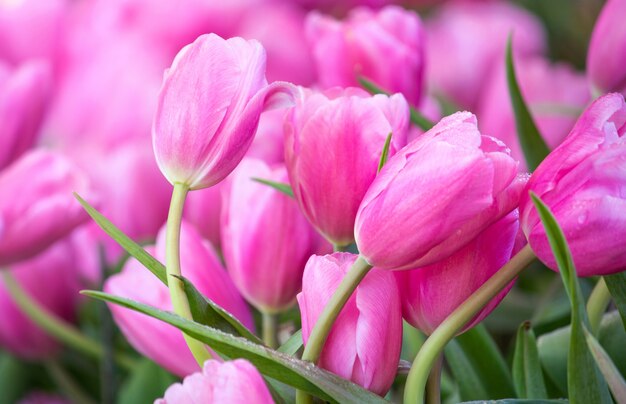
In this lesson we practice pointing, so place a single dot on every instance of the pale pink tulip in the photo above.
(364, 343)
(203, 209)
(436, 195)
(333, 143)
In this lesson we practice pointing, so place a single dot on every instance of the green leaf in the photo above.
(279, 186)
(584, 380)
(612, 336)
(16, 379)
(478, 366)
(385, 153)
(527, 374)
(299, 374)
(293, 344)
(147, 382)
(205, 311)
(533, 145)
(131, 247)
(609, 371)
(617, 287)
(416, 117)
(517, 401)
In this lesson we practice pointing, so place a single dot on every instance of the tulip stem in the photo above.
(325, 321)
(596, 305)
(433, 385)
(172, 267)
(270, 329)
(66, 384)
(434, 344)
(54, 326)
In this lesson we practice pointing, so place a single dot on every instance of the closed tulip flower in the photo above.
(365, 340)
(159, 341)
(333, 143)
(429, 294)
(209, 107)
(37, 207)
(233, 382)
(386, 46)
(583, 181)
(607, 49)
(436, 195)
(266, 239)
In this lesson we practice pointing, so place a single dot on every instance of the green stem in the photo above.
(325, 321)
(432, 348)
(596, 305)
(433, 385)
(55, 327)
(66, 384)
(340, 248)
(172, 266)
(270, 329)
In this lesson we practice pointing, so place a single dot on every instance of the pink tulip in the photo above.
(203, 210)
(37, 206)
(269, 143)
(24, 96)
(583, 181)
(234, 382)
(208, 109)
(385, 47)
(365, 340)
(266, 239)
(333, 143)
(467, 40)
(607, 49)
(429, 294)
(159, 341)
(555, 95)
(52, 279)
(436, 195)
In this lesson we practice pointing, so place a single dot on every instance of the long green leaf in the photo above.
(478, 366)
(279, 186)
(584, 380)
(384, 155)
(617, 287)
(301, 375)
(518, 401)
(131, 247)
(527, 374)
(416, 117)
(533, 145)
(607, 367)
(293, 344)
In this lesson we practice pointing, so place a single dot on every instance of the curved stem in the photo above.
(596, 305)
(427, 355)
(66, 384)
(270, 329)
(172, 267)
(54, 326)
(325, 321)
(433, 385)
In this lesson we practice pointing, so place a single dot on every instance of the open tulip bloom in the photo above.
(312, 201)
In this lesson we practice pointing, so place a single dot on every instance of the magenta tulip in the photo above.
(159, 341)
(333, 143)
(234, 382)
(24, 96)
(266, 240)
(37, 207)
(203, 209)
(607, 49)
(429, 294)
(386, 47)
(269, 142)
(209, 107)
(583, 181)
(365, 340)
(436, 195)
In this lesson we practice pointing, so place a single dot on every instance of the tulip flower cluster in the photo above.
(280, 200)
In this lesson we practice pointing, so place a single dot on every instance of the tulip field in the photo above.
(310, 201)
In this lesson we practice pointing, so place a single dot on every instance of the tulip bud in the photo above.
(333, 143)
(233, 382)
(24, 96)
(436, 195)
(209, 107)
(159, 341)
(266, 239)
(386, 47)
(37, 206)
(607, 49)
(583, 182)
(365, 340)
(429, 294)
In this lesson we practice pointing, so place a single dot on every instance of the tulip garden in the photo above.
(351, 201)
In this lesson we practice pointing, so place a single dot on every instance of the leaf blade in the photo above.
(527, 373)
(616, 284)
(279, 186)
